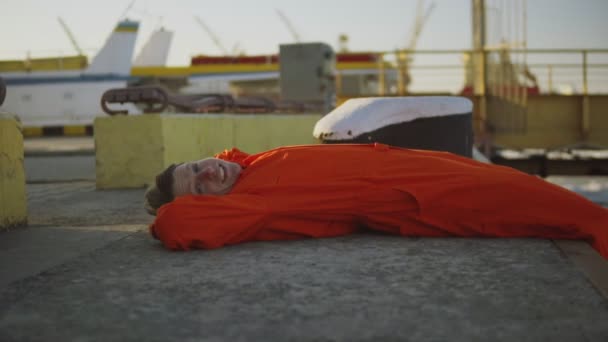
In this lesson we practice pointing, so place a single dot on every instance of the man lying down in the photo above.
(317, 191)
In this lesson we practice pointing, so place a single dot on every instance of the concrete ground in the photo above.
(86, 270)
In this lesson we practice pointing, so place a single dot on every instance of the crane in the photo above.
(124, 13)
(404, 59)
(215, 39)
(421, 17)
(68, 32)
(290, 27)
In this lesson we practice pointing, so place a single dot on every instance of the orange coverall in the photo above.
(331, 190)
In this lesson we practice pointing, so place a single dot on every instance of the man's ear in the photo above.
(153, 199)
(149, 209)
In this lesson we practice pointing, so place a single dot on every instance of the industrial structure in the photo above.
(544, 106)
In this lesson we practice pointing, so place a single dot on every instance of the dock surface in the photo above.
(86, 269)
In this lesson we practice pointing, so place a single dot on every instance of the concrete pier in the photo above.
(86, 269)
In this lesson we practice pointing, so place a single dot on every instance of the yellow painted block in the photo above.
(74, 130)
(131, 150)
(32, 131)
(254, 134)
(556, 121)
(13, 200)
(191, 137)
(599, 120)
(128, 150)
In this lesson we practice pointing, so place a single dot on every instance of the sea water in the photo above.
(594, 188)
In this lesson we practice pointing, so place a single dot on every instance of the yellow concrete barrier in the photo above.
(131, 150)
(13, 199)
(550, 121)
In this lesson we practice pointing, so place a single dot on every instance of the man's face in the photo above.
(208, 176)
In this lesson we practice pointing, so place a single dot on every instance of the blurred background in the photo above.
(536, 70)
(30, 29)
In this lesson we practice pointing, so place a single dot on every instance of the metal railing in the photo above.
(502, 84)
(550, 71)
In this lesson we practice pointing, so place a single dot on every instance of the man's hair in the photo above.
(161, 192)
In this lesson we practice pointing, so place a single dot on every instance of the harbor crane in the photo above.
(422, 17)
(212, 35)
(290, 27)
(68, 32)
(404, 58)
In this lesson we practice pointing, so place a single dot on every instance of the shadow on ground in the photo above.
(79, 204)
(363, 287)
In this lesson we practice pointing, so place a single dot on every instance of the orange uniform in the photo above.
(331, 190)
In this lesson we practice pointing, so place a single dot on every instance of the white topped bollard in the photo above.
(442, 123)
(13, 199)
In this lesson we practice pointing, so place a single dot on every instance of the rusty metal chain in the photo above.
(157, 99)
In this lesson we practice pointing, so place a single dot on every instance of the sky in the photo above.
(253, 26)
